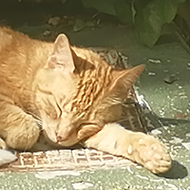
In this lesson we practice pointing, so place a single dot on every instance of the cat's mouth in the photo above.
(65, 136)
(70, 135)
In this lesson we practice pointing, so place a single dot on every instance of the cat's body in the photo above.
(75, 96)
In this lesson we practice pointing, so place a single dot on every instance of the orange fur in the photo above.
(70, 91)
(59, 85)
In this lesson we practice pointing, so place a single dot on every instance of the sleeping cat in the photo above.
(73, 94)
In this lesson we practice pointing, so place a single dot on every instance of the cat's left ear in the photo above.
(124, 80)
(62, 56)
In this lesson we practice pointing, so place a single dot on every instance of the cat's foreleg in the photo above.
(18, 129)
(138, 147)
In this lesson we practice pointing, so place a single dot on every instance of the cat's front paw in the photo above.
(23, 136)
(149, 152)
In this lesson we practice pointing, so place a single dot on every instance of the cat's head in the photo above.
(77, 93)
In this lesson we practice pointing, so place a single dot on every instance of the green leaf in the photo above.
(123, 11)
(149, 21)
(105, 6)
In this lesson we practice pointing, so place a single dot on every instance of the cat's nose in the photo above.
(59, 138)
(63, 134)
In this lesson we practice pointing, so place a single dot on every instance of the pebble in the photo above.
(170, 79)
(154, 61)
(54, 21)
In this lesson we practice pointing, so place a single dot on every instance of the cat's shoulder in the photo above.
(6, 31)
(5, 36)
(8, 36)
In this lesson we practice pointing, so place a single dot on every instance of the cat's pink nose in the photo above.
(59, 138)
(63, 134)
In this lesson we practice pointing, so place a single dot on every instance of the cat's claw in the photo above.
(150, 153)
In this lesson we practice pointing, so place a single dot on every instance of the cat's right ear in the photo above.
(124, 80)
(62, 56)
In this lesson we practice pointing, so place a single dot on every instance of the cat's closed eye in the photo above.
(53, 110)
(52, 114)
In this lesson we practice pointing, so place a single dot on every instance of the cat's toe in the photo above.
(156, 165)
(153, 155)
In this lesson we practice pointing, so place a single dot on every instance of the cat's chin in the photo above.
(69, 142)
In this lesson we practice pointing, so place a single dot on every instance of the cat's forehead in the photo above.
(47, 79)
(46, 74)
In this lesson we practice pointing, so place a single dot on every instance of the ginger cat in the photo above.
(73, 94)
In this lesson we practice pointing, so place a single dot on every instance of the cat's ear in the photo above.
(123, 80)
(62, 56)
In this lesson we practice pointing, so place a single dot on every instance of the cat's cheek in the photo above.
(88, 131)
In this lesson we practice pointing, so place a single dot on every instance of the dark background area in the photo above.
(136, 14)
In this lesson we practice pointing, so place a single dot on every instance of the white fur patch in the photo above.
(6, 157)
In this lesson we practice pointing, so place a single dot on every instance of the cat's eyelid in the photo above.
(44, 91)
(60, 110)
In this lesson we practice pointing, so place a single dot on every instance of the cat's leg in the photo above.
(138, 147)
(18, 129)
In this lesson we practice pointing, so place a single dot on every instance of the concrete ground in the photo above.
(165, 63)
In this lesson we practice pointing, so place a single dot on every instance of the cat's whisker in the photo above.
(26, 147)
(36, 117)
(113, 101)
(121, 120)
(127, 104)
